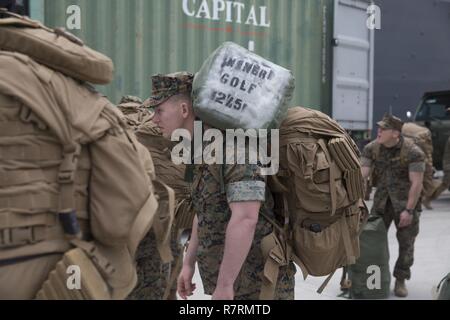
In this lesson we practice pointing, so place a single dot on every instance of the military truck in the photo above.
(434, 113)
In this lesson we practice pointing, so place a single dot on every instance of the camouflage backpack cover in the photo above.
(318, 192)
(73, 177)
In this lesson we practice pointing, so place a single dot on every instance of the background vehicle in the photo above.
(434, 113)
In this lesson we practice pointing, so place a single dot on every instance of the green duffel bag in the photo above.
(370, 277)
(444, 288)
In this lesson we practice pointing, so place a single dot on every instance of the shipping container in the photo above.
(325, 43)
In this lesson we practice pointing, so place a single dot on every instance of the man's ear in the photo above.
(185, 110)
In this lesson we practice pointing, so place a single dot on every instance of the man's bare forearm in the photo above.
(238, 241)
(414, 194)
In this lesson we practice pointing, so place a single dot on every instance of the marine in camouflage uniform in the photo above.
(153, 273)
(393, 186)
(241, 183)
(214, 188)
(445, 183)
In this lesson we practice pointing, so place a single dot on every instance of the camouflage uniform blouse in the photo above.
(392, 174)
(211, 196)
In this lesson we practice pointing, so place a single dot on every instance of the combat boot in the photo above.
(400, 289)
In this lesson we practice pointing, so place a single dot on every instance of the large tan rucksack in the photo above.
(72, 181)
(422, 138)
(318, 194)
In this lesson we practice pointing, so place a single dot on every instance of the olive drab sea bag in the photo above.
(370, 277)
(444, 288)
(318, 194)
(73, 178)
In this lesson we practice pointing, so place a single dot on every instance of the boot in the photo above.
(400, 289)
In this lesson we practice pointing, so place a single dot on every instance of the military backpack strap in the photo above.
(66, 180)
(142, 222)
(162, 226)
(274, 257)
(173, 277)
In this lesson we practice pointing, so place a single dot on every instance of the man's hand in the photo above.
(223, 293)
(405, 219)
(185, 287)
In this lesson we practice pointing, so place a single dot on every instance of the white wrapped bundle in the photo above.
(236, 88)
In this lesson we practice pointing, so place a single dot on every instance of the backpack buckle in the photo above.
(68, 165)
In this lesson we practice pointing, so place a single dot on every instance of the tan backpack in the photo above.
(73, 177)
(422, 138)
(55, 48)
(318, 194)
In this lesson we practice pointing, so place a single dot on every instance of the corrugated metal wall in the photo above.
(144, 37)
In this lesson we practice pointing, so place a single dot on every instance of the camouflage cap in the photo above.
(166, 86)
(390, 122)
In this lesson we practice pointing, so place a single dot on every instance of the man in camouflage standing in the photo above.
(398, 166)
(228, 201)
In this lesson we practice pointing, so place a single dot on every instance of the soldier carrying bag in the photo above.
(318, 194)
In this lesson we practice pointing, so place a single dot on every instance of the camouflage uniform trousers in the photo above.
(405, 236)
(285, 289)
(153, 274)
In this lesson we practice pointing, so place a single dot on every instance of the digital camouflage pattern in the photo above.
(211, 195)
(166, 86)
(391, 122)
(391, 196)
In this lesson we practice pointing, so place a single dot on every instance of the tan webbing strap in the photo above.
(15, 220)
(162, 225)
(351, 258)
(142, 223)
(32, 152)
(173, 277)
(16, 128)
(66, 177)
(66, 181)
(333, 175)
(301, 265)
(90, 249)
(18, 177)
(274, 258)
(41, 200)
(325, 283)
